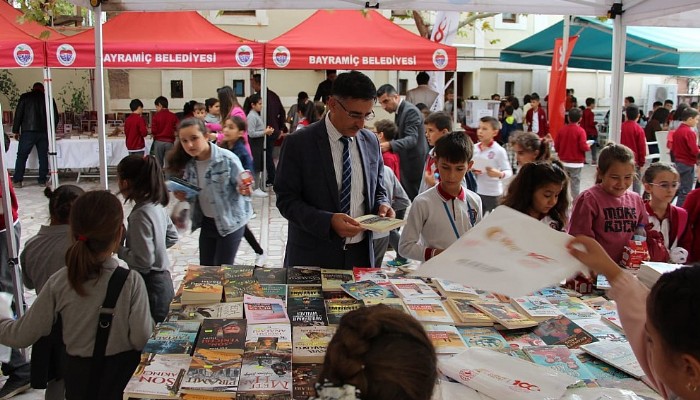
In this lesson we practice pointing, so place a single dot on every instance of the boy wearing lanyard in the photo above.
(441, 214)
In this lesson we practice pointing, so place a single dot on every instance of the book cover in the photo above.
(304, 276)
(304, 291)
(455, 290)
(428, 311)
(464, 313)
(173, 337)
(379, 224)
(274, 291)
(393, 303)
(556, 294)
(575, 308)
(370, 274)
(310, 343)
(559, 358)
(518, 339)
(602, 330)
(307, 311)
(261, 310)
(535, 307)
(563, 331)
(237, 272)
(268, 344)
(504, 314)
(282, 331)
(222, 333)
(331, 279)
(175, 184)
(406, 288)
(203, 285)
(274, 276)
(445, 338)
(158, 376)
(199, 312)
(304, 378)
(236, 287)
(176, 304)
(336, 308)
(601, 371)
(265, 372)
(619, 355)
(212, 372)
(486, 337)
(366, 290)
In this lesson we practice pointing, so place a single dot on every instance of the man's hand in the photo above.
(16, 134)
(386, 146)
(345, 226)
(385, 210)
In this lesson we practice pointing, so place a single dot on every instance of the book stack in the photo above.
(306, 306)
(332, 279)
(298, 276)
(504, 314)
(336, 308)
(428, 311)
(304, 378)
(157, 376)
(465, 314)
(200, 312)
(310, 343)
(264, 310)
(453, 290)
(650, 272)
(537, 308)
(239, 280)
(202, 285)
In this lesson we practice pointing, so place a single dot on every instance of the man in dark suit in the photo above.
(410, 144)
(329, 173)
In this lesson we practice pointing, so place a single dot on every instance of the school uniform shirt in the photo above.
(632, 135)
(135, 130)
(150, 232)
(571, 145)
(429, 224)
(668, 225)
(685, 145)
(131, 327)
(163, 126)
(610, 220)
(496, 157)
(44, 254)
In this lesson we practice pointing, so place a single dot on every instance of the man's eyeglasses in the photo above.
(356, 115)
(667, 185)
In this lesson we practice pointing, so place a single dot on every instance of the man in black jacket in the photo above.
(276, 119)
(30, 127)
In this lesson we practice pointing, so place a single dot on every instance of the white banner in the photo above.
(444, 31)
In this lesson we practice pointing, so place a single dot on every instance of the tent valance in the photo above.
(166, 40)
(353, 39)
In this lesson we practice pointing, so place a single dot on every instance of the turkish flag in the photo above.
(557, 85)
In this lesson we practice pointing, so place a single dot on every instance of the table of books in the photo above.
(207, 349)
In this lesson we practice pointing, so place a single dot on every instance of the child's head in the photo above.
(535, 100)
(590, 102)
(227, 100)
(212, 105)
(574, 115)
(161, 102)
(509, 110)
(661, 181)
(488, 129)
(233, 130)
(96, 225)
(199, 110)
(668, 104)
(136, 106)
(632, 112)
(192, 143)
(437, 125)
(453, 157)
(539, 189)
(690, 117)
(672, 330)
(386, 130)
(529, 147)
(315, 111)
(60, 202)
(616, 171)
(384, 353)
(255, 102)
(140, 179)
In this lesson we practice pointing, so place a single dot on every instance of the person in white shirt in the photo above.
(491, 164)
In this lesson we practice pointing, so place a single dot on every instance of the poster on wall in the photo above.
(660, 92)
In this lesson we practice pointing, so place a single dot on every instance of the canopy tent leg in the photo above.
(618, 78)
(99, 96)
(455, 121)
(51, 129)
(263, 95)
(12, 245)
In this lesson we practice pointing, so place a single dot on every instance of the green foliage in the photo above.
(42, 11)
(74, 97)
(8, 88)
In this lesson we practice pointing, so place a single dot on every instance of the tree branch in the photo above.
(423, 28)
(473, 18)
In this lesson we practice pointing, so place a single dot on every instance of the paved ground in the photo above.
(268, 226)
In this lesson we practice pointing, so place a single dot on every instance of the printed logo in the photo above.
(244, 56)
(65, 55)
(281, 56)
(24, 55)
(491, 155)
(440, 59)
(467, 374)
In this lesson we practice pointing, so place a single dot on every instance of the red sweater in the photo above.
(13, 201)
(692, 237)
(685, 145)
(391, 160)
(163, 126)
(633, 136)
(135, 130)
(571, 144)
(588, 123)
(541, 118)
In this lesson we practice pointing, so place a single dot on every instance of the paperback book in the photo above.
(300, 291)
(173, 337)
(158, 376)
(575, 308)
(304, 378)
(504, 314)
(266, 373)
(451, 289)
(281, 331)
(307, 311)
(274, 276)
(310, 343)
(175, 184)
(212, 372)
(336, 308)
(202, 285)
(379, 224)
(332, 279)
(267, 344)
(602, 330)
(619, 355)
(465, 314)
(486, 337)
(366, 290)
(561, 359)
(262, 310)
(412, 288)
(275, 291)
(371, 274)
(199, 312)
(235, 287)
(563, 331)
(428, 311)
(304, 276)
(535, 307)
(445, 338)
(522, 338)
(393, 303)
(222, 333)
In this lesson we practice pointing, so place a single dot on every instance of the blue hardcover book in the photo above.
(179, 185)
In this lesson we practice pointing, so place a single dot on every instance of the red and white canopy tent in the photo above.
(353, 39)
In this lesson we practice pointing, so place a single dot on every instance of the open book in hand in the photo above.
(379, 224)
(180, 185)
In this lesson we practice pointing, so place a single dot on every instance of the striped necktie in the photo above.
(346, 177)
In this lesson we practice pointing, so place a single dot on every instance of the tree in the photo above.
(43, 11)
(468, 19)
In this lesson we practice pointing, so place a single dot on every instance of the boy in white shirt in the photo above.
(491, 164)
(441, 214)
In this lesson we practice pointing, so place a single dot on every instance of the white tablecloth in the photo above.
(77, 153)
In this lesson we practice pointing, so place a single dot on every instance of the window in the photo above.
(177, 90)
(239, 87)
(510, 88)
(509, 18)
(403, 86)
(238, 13)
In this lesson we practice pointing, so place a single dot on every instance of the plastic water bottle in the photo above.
(640, 234)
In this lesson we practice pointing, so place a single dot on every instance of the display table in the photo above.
(77, 153)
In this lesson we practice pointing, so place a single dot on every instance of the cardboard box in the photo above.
(635, 253)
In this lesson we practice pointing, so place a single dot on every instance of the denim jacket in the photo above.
(233, 211)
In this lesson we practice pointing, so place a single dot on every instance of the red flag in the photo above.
(557, 85)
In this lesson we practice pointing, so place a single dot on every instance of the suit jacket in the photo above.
(307, 194)
(411, 146)
(422, 94)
